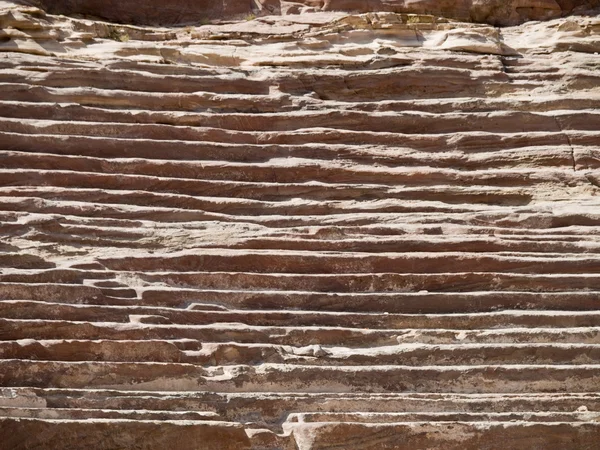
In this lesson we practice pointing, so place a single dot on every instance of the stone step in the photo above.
(369, 417)
(256, 261)
(549, 103)
(407, 303)
(268, 173)
(519, 158)
(272, 408)
(207, 353)
(313, 143)
(323, 241)
(15, 260)
(342, 283)
(104, 434)
(131, 80)
(120, 414)
(39, 310)
(554, 221)
(390, 302)
(564, 222)
(450, 436)
(363, 85)
(434, 217)
(285, 378)
(142, 75)
(396, 122)
(19, 329)
(151, 101)
(361, 282)
(189, 194)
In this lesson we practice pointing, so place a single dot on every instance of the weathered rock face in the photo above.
(317, 231)
(163, 12)
(170, 12)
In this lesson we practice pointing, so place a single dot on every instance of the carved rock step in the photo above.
(355, 417)
(344, 236)
(404, 302)
(309, 143)
(561, 154)
(396, 122)
(195, 315)
(285, 378)
(273, 407)
(202, 169)
(237, 198)
(367, 417)
(105, 434)
(426, 238)
(430, 218)
(548, 223)
(293, 199)
(577, 106)
(131, 80)
(375, 231)
(361, 85)
(308, 262)
(439, 282)
(130, 75)
(13, 329)
(341, 283)
(269, 411)
(52, 168)
(120, 414)
(149, 101)
(445, 435)
(422, 79)
(206, 353)
(408, 303)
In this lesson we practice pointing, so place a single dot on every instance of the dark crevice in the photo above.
(566, 135)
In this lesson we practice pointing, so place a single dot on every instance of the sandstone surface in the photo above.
(326, 230)
(171, 12)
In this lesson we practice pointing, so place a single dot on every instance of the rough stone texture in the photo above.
(169, 12)
(313, 231)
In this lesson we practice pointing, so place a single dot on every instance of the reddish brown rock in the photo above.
(302, 231)
(101, 434)
(171, 12)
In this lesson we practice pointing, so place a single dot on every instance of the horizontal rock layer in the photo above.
(172, 12)
(317, 231)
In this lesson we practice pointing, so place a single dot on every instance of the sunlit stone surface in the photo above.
(336, 229)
